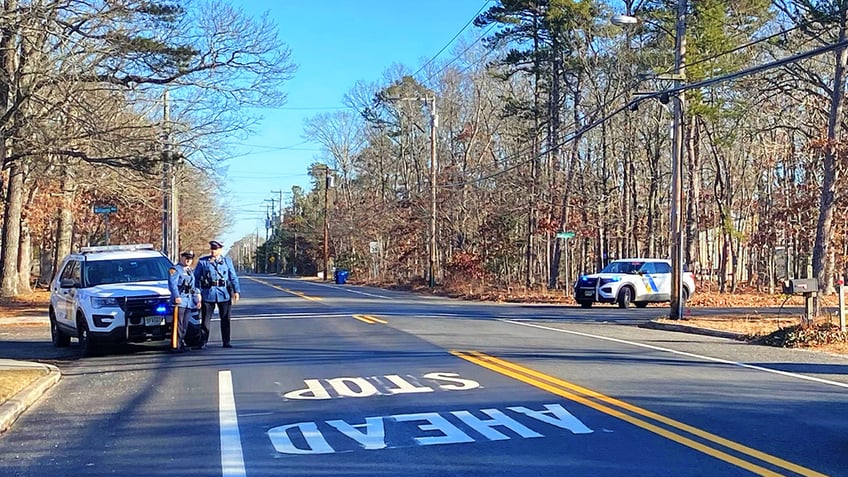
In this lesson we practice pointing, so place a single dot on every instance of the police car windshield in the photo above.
(622, 267)
(125, 270)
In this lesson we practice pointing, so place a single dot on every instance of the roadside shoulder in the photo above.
(26, 397)
(692, 329)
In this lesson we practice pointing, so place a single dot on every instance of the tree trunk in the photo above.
(824, 226)
(12, 232)
(11, 223)
(691, 255)
(25, 260)
(65, 224)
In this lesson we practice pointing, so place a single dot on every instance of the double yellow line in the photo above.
(616, 408)
(371, 320)
(292, 292)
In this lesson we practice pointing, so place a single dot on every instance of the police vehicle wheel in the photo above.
(59, 338)
(87, 348)
(685, 294)
(624, 297)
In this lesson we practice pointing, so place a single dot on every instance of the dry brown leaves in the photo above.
(30, 304)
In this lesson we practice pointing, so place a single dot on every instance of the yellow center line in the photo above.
(296, 293)
(555, 386)
(369, 319)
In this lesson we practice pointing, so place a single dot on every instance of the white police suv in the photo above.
(632, 280)
(111, 294)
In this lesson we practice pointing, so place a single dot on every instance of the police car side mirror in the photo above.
(67, 283)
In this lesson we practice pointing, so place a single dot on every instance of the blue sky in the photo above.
(335, 43)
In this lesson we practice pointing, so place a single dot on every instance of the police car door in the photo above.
(660, 279)
(64, 298)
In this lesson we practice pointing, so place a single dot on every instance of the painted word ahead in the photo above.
(360, 387)
(424, 429)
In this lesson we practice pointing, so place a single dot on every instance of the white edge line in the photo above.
(683, 353)
(232, 458)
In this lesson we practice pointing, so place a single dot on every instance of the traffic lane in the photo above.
(809, 363)
(599, 312)
(363, 299)
(134, 414)
(798, 418)
(341, 396)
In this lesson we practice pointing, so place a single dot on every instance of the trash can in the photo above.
(341, 276)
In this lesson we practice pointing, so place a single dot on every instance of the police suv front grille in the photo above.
(588, 282)
(137, 308)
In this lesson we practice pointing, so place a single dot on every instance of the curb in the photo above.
(693, 330)
(20, 402)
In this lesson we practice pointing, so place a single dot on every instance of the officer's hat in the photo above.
(187, 254)
(214, 245)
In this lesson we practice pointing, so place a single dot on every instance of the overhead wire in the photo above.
(666, 93)
(449, 43)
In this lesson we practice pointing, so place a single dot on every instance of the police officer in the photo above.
(219, 286)
(184, 294)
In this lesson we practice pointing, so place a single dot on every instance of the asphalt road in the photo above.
(353, 381)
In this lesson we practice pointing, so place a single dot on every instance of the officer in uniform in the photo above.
(219, 286)
(184, 294)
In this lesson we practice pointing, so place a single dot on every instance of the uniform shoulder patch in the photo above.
(172, 271)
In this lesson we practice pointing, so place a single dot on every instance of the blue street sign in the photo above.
(105, 209)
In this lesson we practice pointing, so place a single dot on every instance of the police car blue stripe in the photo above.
(651, 282)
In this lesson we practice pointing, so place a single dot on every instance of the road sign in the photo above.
(565, 235)
(105, 209)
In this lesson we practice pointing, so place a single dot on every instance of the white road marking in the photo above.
(232, 458)
(349, 289)
(683, 353)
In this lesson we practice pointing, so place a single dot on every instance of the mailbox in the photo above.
(798, 286)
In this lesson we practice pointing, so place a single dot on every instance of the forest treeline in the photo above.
(538, 121)
(546, 123)
(85, 124)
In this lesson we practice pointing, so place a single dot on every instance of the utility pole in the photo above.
(279, 226)
(677, 302)
(678, 77)
(295, 225)
(434, 123)
(170, 211)
(327, 184)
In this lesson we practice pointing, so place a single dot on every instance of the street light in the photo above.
(676, 223)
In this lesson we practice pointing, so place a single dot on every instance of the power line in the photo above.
(661, 95)
(452, 40)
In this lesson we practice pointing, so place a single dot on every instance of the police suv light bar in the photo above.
(117, 248)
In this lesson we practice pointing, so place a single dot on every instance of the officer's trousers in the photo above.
(183, 313)
(223, 313)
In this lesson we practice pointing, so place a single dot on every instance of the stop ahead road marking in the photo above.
(604, 404)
